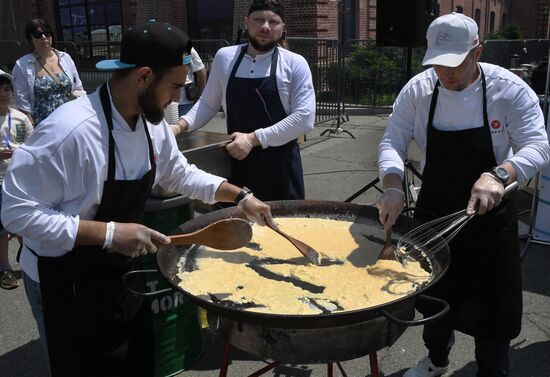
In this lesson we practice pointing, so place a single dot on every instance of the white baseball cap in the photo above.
(8, 76)
(450, 39)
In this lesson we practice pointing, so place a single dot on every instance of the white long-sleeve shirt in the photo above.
(16, 134)
(293, 81)
(24, 74)
(515, 118)
(195, 66)
(56, 178)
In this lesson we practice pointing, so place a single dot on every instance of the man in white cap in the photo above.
(465, 116)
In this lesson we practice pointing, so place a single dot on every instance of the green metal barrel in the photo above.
(178, 340)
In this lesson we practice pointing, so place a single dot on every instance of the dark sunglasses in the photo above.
(38, 34)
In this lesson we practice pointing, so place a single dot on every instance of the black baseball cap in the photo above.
(273, 5)
(151, 44)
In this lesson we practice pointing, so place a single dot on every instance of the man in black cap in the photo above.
(96, 159)
(268, 96)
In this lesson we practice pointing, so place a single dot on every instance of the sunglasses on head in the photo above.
(38, 34)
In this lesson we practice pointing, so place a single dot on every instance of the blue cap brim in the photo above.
(187, 59)
(112, 65)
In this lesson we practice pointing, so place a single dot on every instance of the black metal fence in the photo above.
(10, 52)
(207, 49)
(323, 57)
(321, 54)
(375, 75)
(514, 53)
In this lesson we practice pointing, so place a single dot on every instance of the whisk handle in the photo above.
(509, 189)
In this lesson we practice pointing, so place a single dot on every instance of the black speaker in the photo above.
(403, 23)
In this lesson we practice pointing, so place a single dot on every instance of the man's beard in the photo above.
(259, 47)
(149, 104)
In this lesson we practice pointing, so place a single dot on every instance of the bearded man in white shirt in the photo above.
(76, 192)
(465, 116)
(268, 96)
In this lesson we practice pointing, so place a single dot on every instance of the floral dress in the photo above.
(48, 95)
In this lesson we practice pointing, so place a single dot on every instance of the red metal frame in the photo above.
(373, 358)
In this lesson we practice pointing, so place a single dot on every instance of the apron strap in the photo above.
(433, 104)
(108, 111)
(274, 61)
(484, 87)
(238, 62)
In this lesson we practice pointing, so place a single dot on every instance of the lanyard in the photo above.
(7, 138)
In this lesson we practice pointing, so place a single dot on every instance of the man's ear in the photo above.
(478, 53)
(143, 76)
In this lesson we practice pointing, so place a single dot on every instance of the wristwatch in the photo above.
(242, 194)
(501, 174)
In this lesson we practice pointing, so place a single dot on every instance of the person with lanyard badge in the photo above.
(268, 96)
(96, 159)
(45, 78)
(15, 128)
(193, 87)
(465, 116)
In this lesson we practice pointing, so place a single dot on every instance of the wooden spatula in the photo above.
(227, 234)
(387, 252)
(310, 253)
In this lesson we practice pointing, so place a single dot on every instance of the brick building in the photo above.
(213, 19)
(532, 16)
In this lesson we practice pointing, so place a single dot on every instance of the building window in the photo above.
(210, 19)
(459, 9)
(477, 16)
(348, 20)
(504, 20)
(492, 22)
(89, 20)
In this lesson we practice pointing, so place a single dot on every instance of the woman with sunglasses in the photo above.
(45, 78)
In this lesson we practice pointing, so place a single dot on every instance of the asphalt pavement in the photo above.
(336, 166)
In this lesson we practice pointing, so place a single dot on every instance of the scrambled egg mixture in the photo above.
(271, 276)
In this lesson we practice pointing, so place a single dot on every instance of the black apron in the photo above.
(274, 173)
(483, 284)
(94, 326)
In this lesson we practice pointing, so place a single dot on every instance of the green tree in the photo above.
(510, 31)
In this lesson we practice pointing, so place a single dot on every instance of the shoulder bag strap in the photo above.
(49, 70)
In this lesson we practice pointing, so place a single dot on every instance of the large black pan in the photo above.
(170, 259)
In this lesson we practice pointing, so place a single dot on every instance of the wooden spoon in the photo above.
(310, 253)
(387, 252)
(227, 234)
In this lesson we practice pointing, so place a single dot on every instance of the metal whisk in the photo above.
(424, 241)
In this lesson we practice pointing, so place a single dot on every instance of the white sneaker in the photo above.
(425, 368)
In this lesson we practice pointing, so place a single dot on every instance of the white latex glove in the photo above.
(390, 204)
(257, 210)
(134, 240)
(240, 147)
(486, 194)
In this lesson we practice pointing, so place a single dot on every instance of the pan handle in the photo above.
(129, 287)
(417, 322)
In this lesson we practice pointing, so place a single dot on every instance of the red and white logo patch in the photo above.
(495, 124)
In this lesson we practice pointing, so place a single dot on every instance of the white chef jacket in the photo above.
(56, 178)
(195, 66)
(293, 81)
(515, 118)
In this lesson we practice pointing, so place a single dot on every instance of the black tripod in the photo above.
(409, 188)
(338, 130)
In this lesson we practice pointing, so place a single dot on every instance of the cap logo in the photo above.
(442, 38)
(495, 124)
